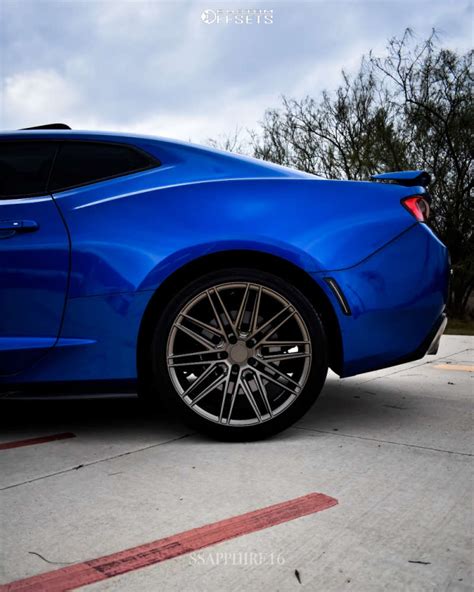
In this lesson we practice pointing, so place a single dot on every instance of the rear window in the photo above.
(25, 168)
(79, 163)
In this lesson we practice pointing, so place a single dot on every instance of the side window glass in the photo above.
(79, 163)
(25, 168)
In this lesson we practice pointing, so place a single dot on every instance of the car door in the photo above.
(34, 255)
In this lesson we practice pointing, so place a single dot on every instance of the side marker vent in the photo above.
(336, 290)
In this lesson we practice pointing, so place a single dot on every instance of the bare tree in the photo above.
(233, 142)
(430, 91)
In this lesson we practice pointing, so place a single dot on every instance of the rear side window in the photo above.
(79, 163)
(25, 168)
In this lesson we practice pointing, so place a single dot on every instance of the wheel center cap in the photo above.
(239, 353)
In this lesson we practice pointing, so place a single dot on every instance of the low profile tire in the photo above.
(239, 354)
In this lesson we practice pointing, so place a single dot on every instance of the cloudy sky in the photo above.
(155, 67)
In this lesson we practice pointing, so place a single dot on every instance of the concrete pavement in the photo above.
(394, 447)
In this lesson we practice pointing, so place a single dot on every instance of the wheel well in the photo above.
(244, 258)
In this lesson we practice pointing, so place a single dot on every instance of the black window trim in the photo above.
(154, 163)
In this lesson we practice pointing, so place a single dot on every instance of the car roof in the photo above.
(79, 134)
(140, 140)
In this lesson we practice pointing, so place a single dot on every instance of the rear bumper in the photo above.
(429, 346)
(397, 300)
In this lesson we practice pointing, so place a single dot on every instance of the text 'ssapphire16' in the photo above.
(225, 284)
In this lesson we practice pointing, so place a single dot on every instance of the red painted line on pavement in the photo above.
(32, 441)
(109, 566)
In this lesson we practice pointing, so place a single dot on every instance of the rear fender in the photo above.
(122, 238)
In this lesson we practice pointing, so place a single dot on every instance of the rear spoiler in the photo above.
(405, 178)
(52, 126)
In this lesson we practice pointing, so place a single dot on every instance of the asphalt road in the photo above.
(391, 452)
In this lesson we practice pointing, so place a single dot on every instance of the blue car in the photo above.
(223, 285)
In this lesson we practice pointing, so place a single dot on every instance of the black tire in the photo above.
(264, 286)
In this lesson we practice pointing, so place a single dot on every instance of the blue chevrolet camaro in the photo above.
(222, 284)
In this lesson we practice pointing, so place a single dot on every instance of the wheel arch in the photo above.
(236, 258)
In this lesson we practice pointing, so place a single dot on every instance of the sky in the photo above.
(158, 68)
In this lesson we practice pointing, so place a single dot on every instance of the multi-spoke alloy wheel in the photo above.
(239, 352)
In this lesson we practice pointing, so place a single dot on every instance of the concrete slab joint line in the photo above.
(95, 462)
(392, 442)
(102, 568)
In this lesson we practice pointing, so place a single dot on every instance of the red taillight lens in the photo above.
(418, 207)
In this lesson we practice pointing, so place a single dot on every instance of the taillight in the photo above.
(418, 206)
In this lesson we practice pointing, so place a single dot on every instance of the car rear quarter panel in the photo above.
(128, 237)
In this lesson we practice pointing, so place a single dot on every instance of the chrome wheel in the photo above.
(239, 354)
